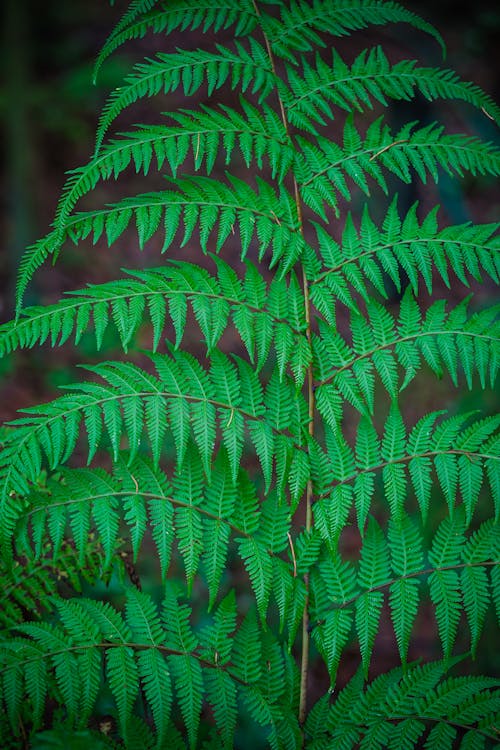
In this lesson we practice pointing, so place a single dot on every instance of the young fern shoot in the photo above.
(254, 437)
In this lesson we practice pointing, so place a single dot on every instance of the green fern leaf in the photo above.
(474, 580)
(367, 456)
(12, 684)
(36, 688)
(187, 486)
(227, 389)
(190, 70)
(410, 246)
(263, 440)
(220, 500)
(246, 655)
(90, 668)
(106, 518)
(217, 637)
(324, 165)
(259, 393)
(259, 566)
(301, 24)
(370, 77)
(199, 200)
(111, 625)
(143, 16)
(444, 581)
(143, 618)
(122, 674)
(221, 694)
(155, 680)
(189, 684)
(393, 448)
(373, 570)
(332, 638)
(406, 558)
(186, 670)
(64, 662)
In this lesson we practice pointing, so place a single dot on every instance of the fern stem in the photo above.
(149, 496)
(406, 459)
(402, 339)
(304, 664)
(131, 645)
(304, 658)
(414, 574)
(386, 148)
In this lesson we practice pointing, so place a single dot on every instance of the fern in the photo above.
(398, 710)
(246, 487)
(371, 77)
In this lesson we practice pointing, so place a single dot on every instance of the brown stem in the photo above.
(304, 662)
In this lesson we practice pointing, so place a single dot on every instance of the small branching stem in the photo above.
(386, 148)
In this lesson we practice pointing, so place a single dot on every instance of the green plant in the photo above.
(281, 471)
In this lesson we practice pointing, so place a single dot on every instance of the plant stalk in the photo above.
(304, 659)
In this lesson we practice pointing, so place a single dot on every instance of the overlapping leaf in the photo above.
(457, 574)
(261, 319)
(410, 248)
(215, 208)
(382, 346)
(324, 168)
(402, 708)
(371, 77)
(149, 651)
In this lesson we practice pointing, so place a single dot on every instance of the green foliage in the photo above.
(254, 456)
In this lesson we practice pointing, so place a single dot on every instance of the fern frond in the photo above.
(368, 455)
(245, 476)
(447, 343)
(166, 293)
(397, 708)
(263, 215)
(58, 645)
(156, 682)
(142, 16)
(373, 570)
(405, 544)
(474, 582)
(427, 444)
(204, 134)
(243, 68)
(200, 517)
(222, 695)
(300, 25)
(371, 77)
(413, 247)
(156, 654)
(324, 166)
